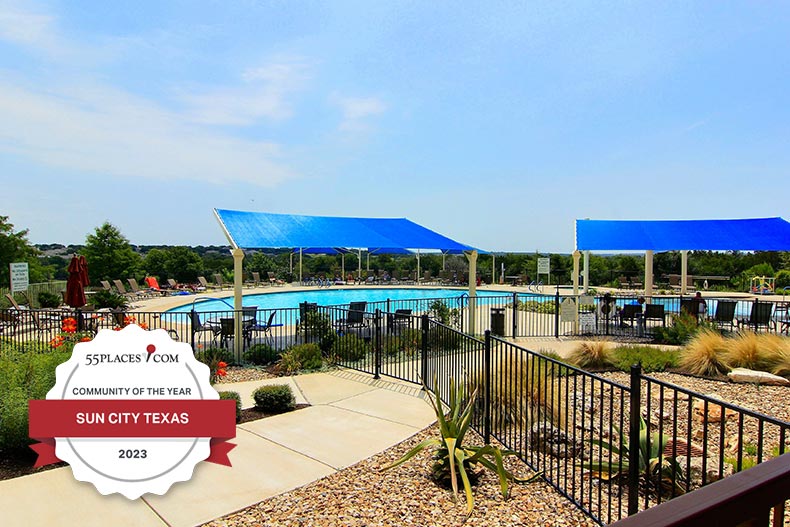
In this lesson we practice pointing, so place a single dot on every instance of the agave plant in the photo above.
(655, 468)
(452, 459)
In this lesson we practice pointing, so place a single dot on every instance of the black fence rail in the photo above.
(611, 449)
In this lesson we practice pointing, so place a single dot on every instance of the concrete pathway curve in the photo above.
(351, 417)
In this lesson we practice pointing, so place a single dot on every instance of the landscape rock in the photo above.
(744, 375)
(711, 469)
(544, 437)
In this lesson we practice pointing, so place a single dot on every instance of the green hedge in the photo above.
(274, 398)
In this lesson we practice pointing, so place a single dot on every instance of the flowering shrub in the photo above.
(69, 335)
(129, 319)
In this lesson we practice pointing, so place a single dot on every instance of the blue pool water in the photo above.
(329, 297)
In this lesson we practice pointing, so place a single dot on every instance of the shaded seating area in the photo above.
(655, 313)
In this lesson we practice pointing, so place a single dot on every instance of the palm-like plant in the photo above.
(452, 459)
(656, 469)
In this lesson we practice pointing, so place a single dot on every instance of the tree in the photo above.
(109, 255)
(14, 247)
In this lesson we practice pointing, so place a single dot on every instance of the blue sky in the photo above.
(495, 123)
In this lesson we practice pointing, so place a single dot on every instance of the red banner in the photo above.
(132, 418)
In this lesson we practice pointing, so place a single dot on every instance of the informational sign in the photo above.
(587, 322)
(132, 412)
(568, 310)
(20, 276)
(543, 265)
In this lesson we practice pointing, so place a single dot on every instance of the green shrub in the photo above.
(652, 359)
(441, 312)
(274, 398)
(260, 354)
(47, 299)
(782, 280)
(681, 330)
(547, 308)
(104, 298)
(317, 328)
(406, 340)
(301, 357)
(211, 356)
(236, 397)
(350, 347)
(25, 376)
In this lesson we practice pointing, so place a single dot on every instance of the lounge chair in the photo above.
(44, 324)
(122, 290)
(204, 284)
(106, 285)
(256, 279)
(140, 293)
(760, 315)
(219, 281)
(725, 313)
(273, 280)
(9, 320)
(14, 303)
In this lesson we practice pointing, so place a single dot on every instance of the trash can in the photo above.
(498, 321)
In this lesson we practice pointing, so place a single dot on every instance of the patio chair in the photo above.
(630, 313)
(400, 319)
(689, 306)
(355, 317)
(123, 292)
(219, 281)
(256, 279)
(199, 326)
(655, 312)
(760, 315)
(725, 313)
(106, 285)
(227, 330)
(273, 280)
(261, 328)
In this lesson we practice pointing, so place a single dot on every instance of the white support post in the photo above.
(576, 257)
(472, 257)
(586, 272)
(238, 340)
(648, 275)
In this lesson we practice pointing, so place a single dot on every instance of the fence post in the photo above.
(424, 351)
(377, 345)
(633, 439)
(487, 391)
(557, 313)
(192, 316)
(515, 314)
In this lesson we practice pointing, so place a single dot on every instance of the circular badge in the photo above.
(132, 411)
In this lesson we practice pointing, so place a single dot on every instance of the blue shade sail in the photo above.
(761, 234)
(258, 230)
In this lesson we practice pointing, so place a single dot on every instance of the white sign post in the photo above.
(20, 277)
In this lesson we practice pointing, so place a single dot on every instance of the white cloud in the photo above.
(99, 129)
(356, 111)
(264, 95)
(28, 29)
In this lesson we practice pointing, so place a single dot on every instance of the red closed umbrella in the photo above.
(75, 289)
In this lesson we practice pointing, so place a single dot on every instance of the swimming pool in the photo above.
(329, 297)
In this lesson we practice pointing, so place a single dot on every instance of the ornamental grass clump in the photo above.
(524, 389)
(705, 355)
(274, 398)
(747, 350)
(592, 354)
(454, 462)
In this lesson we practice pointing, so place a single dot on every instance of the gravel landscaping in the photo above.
(362, 495)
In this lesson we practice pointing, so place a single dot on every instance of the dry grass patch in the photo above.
(592, 354)
(705, 354)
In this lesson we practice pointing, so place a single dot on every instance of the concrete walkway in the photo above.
(352, 417)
